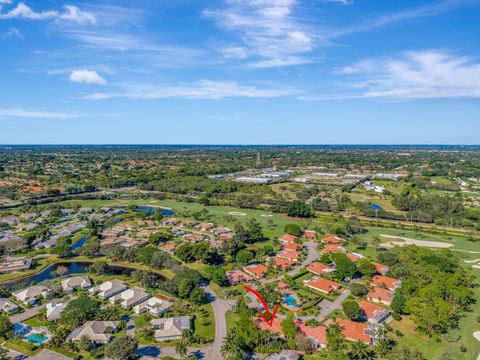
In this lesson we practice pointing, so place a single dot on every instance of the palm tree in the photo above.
(361, 351)
(181, 349)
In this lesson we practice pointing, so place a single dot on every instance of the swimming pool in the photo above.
(37, 339)
(290, 300)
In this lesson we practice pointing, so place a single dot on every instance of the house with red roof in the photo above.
(316, 335)
(385, 281)
(381, 269)
(279, 262)
(354, 257)
(318, 268)
(332, 248)
(292, 246)
(323, 285)
(289, 255)
(258, 271)
(310, 234)
(380, 295)
(236, 277)
(286, 238)
(332, 239)
(276, 327)
(355, 331)
(373, 313)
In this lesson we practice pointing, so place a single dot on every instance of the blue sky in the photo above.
(240, 72)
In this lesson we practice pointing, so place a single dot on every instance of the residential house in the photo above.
(108, 289)
(170, 328)
(332, 239)
(7, 306)
(258, 271)
(355, 331)
(374, 314)
(323, 285)
(15, 264)
(332, 248)
(47, 354)
(155, 306)
(381, 269)
(73, 283)
(291, 255)
(354, 257)
(318, 268)
(316, 335)
(236, 277)
(286, 238)
(280, 262)
(276, 327)
(285, 355)
(169, 247)
(380, 295)
(99, 332)
(310, 234)
(54, 310)
(292, 246)
(385, 281)
(31, 295)
(130, 297)
(220, 230)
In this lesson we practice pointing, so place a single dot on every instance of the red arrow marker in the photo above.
(264, 303)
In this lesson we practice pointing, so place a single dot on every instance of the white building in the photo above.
(155, 306)
(31, 295)
(54, 310)
(130, 297)
(108, 289)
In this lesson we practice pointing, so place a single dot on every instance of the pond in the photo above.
(152, 210)
(73, 268)
(375, 206)
(79, 243)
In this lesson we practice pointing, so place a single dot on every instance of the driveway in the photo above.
(211, 351)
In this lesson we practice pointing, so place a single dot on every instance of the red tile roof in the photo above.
(310, 234)
(380, 294)
(353, 257)
(292, 246)
(287, 238)
(319, 268)
(354, 331)
(276, 327)
(332, 248)
(237, 276)
(381, 269)
(258, 270)
(332, 239)
(323, 285)
(318, 333)
(283, 263)
(289, 254)
(390, 283)
(370, 309)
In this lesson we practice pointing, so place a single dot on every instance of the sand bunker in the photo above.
(409, 241)
(472, 261)
(266, 215)
(236, 213)
(476, 335)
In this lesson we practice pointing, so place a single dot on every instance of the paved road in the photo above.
(27, 314)
(211, 351)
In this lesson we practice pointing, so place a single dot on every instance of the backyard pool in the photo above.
(37, 339)
(291, 301)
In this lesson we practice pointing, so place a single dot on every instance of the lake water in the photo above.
(73, 268)
(152, 210)
(80, 242)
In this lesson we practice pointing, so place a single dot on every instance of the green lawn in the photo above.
(35, 321)
(204, 323)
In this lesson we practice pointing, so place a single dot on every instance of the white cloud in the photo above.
(268, 34)
(203, 89)
(21, 113)
(87, 77)
(341, 2)
(71, 13)
(426, 74)
(11, 32)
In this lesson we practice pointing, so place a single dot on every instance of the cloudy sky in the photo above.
(240, 72)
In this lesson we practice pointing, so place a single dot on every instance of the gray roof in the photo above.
(48, 355)
(95, 330)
